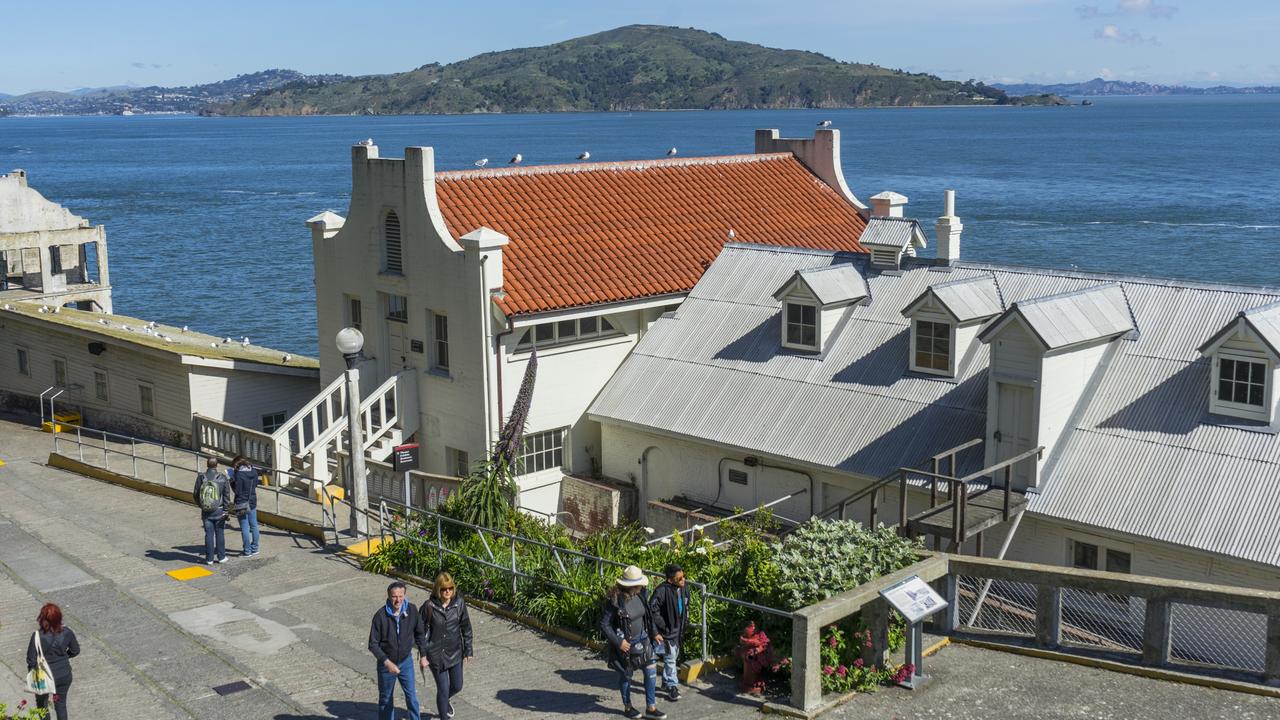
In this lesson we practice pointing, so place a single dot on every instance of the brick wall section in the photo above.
(595, 504)
(664, 518)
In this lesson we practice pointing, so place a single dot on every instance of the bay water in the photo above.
(205, 216)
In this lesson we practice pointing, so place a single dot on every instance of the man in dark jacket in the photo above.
(244, 480)
(670, 610)
(211, 496)
(396, 629)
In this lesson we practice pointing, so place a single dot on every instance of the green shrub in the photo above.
(822, 558)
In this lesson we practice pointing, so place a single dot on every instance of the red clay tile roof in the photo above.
(605, 232)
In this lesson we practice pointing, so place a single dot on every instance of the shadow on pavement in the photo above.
(180, 553)
(593, 677)
(343, 710)
(553, 701)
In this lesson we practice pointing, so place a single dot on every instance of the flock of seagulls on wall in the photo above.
(519, 158)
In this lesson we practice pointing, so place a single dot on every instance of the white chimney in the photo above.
(948, 230)
(887, 204)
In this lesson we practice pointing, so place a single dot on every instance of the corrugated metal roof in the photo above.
(1143, 457)
(967, 299)
(1072, 317)
(832, 285)
(892, 232)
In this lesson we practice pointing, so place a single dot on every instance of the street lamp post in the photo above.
(350, 342)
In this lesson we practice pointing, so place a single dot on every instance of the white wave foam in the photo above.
(1235, 226)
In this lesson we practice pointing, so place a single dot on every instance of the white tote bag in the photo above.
(40, 680)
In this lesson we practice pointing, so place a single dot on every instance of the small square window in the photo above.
(398, 308)
(542, 451)
(566, 330)
(933, 346)
(1084, 555)
(272, 422)
(459, 461)
(24, 362)
(1117, 561)
(544, 334)
(1241, 387)
(587, 326)
(606, 326)
(802, 326)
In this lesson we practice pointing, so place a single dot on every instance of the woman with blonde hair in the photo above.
(448, 640)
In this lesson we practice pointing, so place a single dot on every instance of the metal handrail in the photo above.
(934, 460)
(744, 513)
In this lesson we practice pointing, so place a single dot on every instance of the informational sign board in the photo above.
(914, 599)
(405, 457)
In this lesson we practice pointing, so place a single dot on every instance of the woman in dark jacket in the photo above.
(627, 625)
(448, 640)
(59, 645)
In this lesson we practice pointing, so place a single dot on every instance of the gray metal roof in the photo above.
(1264, 321)
(1072, 317)
(892, 232)
(1143, 456)
(973, 298)
(839, 283)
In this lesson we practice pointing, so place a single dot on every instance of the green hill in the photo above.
(638, 67)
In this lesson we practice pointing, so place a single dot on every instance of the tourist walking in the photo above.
(396, 629)
(627, 625)
(58, 644)
(244, 481)
(448, 640)
(670, 606)
(210, 493)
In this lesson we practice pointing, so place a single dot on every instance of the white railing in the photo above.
(226, 440)
(381, 415)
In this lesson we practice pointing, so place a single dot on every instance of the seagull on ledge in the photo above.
(825, 123)
(516, 159)
(671, 152)
(367, 142)
(482, 162)
(585, 155)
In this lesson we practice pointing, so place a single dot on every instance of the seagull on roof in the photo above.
(286, 358)
(244, 341)
(226, 341)
(516, 159)
(367, 142)
(824, 123)
(482, 162)
(585, 155)
(732, 234)
(672, 152)
(184, 328)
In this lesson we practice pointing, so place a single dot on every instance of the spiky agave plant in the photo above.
(488, 494)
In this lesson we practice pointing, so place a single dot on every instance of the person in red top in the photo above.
(59, 645)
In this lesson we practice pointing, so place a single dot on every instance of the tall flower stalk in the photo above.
(488, 495)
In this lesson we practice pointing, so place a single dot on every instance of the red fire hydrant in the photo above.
(757, 656)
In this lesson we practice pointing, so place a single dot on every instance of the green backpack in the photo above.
(210, 494)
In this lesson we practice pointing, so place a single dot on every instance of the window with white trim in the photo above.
(24, 362)
(1240, 386)
(392, 250)
(147, 399)
(355, 312)
(1091, 556)
(459, 461)
(542, 451)
(101, 389)
(60, 372)
(440, 341)
(800, 325)
(398, 308)
(566, 332)
(931, 343)
(272, 422)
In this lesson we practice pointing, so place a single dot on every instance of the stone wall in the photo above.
(595, 504)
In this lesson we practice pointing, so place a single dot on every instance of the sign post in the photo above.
(916, 601)
(404, 459)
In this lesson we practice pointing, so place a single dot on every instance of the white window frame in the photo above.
(354, 311)
(144, 389)
(65, 380)
(1235, 409)
(391, 303)
(540, 451)
(104, 396)
(459, 461)
(274, 421)
(950, 370)
(817, 324)
(439, 341)
(527, 338)
(24, 360)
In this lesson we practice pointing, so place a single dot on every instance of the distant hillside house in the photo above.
(47, 253)
(459, 276)
(137, 378)
(820, 372)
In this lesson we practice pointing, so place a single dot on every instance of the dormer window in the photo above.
(1244, 360)
(931, 346)
(802, 326)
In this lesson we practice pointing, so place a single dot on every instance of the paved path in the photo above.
(293, 623)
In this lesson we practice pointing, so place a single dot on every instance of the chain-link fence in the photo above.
(1203, 637)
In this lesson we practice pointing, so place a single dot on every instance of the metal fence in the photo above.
(502, 554)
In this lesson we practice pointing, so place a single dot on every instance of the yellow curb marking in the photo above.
(364, 548)
(188, 573)
(1, 463)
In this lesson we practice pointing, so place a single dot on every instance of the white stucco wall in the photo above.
(243, 396)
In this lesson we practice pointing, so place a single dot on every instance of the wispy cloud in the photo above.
(1112, 33)
(147, 66)
(1128, 8)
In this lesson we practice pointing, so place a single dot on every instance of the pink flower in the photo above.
(827, 669)
(867, 644)
(858, 663)
(842, 671)
(831, 642)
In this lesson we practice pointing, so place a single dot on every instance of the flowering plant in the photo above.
(23, 711)
(843, 670)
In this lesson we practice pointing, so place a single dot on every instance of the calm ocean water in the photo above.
(205, 216)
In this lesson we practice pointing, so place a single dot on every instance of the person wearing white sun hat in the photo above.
(627, 624)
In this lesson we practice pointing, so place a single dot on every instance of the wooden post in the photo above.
(1048, 616)
(1156, 632)
(955, 514)
(806, 664)
(1272, 668)
(902, 503)
(1008, 476)
(933, 485)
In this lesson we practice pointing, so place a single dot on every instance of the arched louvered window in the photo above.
(393, 257)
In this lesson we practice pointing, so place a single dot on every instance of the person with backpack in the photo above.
(396, 629)
(244, 482)
(448, 640)
(627, 625)
(57, 646)
(210, 493)
(670, 606)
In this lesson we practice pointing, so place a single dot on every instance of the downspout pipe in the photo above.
(497, 359)
(484, 307)
(813, 484)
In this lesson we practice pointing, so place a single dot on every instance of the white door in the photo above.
(738, 487)
(397, 347)
(1015, 433)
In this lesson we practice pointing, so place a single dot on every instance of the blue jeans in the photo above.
(448, 684)
(670, 656)
(249, 530)
(650, 683)
(215, 538)
(387, 690)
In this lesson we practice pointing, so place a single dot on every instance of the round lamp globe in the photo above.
(350, 341)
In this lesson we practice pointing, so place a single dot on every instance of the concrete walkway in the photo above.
(293, 623)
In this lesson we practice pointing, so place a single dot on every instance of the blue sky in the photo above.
(65, 44)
